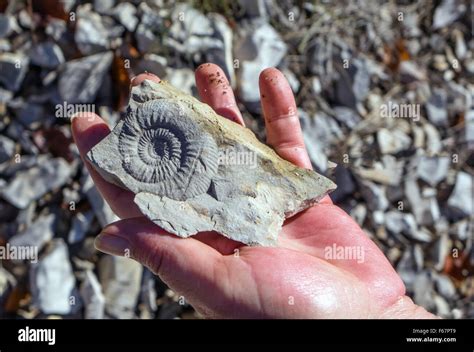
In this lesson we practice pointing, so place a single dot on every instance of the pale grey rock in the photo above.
(7, 149)
(461, 48)
(346, 116)
(145, 38)
(447, 12)
(424, 207)
(25, 216)
(361, 78)
(316, 85)
(56, 28)
(81, 78)
(433, 169)
(79, 227)
(461, 230)
(398, 222)
(461, 199)
(319, 132)
(37, 234)
(406, 268)
(182, 78)
(260, 48)
(125, 13)
(358, 213)
(120, 278)
(254, 8)
(148, 293)
(150, 26)
(47, 54)
(5, 96)
(433, 139)
(93, 32)
(207, 38)
(292, 80)
(174, 154)
(423, 290)
(33, 183)
(436, 107)
(92, 296)
(442, 306)
(392, 142)
(374, 195)
(410, 72)
(103, 6)
(52, 281)
(421, 235)
(389, 172)
(418, 256)
(13, 67)
(6, 25)
(191, 28)
(444, 285)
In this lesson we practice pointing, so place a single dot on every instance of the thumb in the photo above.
(186, 265)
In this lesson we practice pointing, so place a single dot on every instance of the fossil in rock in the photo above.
(166, 152)
(192, 170)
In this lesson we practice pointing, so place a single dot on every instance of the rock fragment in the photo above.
(33, 183)
(125, 13)
(433, 170)
(177, 160)
(447, 12)
(80, 225)
(261, 47)
(120, 278)
(7, 149)
(92, 296)
(392, 142)
(37, 234)
(461, 198)
(13, 67)
(81, 78)
(47, 54)
(53, 283)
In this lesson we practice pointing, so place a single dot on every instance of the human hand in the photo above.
(222, 278)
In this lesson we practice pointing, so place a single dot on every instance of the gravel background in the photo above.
(385, 91)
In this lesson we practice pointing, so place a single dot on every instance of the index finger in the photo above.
(281, 119)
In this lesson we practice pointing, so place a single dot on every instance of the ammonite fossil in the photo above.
(179, 159)
(166, 151)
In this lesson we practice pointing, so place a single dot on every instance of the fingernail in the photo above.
(112, 244)
(74, 116)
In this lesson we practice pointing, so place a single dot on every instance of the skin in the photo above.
(222, 278)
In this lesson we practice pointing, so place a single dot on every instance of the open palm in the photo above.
(304, 277)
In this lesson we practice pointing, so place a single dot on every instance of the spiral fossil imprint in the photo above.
(160, 146)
